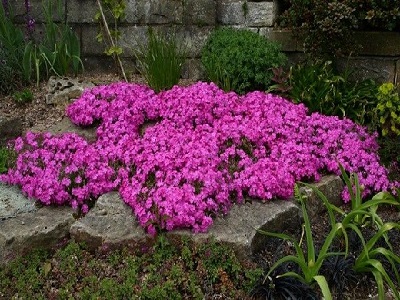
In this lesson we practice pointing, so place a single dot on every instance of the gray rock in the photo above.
(66, 125)
(199, 12)
(260, 14)
(13, 202)
(239, 228)
(43, 228)
(62, 89)
(110, 222)
(331, 186)
(10, 128)
(231, 12)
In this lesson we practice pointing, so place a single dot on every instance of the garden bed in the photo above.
(225, 281)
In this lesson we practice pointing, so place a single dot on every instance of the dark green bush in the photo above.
(326, 27)
(240, 60)
(323, 89)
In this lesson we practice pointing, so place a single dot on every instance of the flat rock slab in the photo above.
(43, 228)
(239, 227)
(110, 222)
(67, 126)
(13, 202)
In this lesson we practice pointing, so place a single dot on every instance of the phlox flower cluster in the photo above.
(185, 155)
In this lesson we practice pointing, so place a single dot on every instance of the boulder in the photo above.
(89, 133)
(62, 89)
(13, 202)
(239, 228)
(42, 228)
(331, 186)
(110, 222)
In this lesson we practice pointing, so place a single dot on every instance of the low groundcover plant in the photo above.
(183, 156)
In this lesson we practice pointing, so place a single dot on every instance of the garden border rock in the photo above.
(110, 222)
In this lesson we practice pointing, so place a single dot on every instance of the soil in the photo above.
(38, 114)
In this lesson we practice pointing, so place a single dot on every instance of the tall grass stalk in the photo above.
(160, 62)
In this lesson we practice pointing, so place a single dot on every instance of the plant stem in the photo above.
(111, 40)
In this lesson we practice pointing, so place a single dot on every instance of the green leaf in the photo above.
(323, 284)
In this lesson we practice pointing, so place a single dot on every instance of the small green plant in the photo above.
(111, 36)
(371, 257)
(160, 61)
(240, 59)
(311, 263)
(388, 109)
(7, 159)
(370, 260)
(23, 96)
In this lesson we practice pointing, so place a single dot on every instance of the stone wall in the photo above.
(192, 21)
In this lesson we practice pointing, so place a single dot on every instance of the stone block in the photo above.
(381, 69)
(110, 222)
(282, 37)
(378, 43)
(99, 63)
(89, 44)
(259, 13)
(81, 11)
(231, 12)
(163, 12)
(37, 11)
(43, 228)
(193, 69)
(134, 12)
(192, 39)
(200, 12)
(133, 38)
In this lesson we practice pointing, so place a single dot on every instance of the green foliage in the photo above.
(372, 256)
(240, 60)
(167, 268)
(23, 96)
(322, 89)
(10, 78)
(58, 53)
(371, 259)
(12, 45)
(311, 262)
(327, 27)
(388, 109)
(7, 159)
(160, 61)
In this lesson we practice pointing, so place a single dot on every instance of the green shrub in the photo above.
(7, 159)
(240, 60)
(23, 96)
(322, 89)
(160, 61)
(388, 109)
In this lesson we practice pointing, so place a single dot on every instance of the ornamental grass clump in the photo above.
(185, 155)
